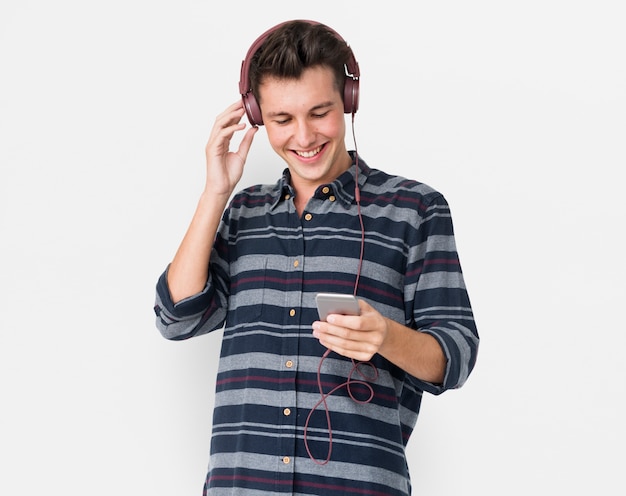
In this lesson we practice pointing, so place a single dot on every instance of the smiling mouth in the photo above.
(311, 153)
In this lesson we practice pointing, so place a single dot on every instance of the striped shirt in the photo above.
(272, 433)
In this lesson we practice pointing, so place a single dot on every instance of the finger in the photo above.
(334, 334)
(347, 321)
(246, 142)
(233, 107)
(348, 348)
(229, 117)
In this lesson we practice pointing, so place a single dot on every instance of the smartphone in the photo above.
(344, 304)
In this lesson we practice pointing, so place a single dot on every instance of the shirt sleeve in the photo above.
(441, 304)
(192, 316)
(203, 312)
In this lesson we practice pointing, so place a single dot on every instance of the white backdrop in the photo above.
(514, 110)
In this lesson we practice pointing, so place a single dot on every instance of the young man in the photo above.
(305, 406)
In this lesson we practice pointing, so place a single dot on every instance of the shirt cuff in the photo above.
(186, 307)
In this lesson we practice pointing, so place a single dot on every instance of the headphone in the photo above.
(253, 110)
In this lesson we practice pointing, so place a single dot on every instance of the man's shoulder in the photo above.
(257, 193)
(392, 186)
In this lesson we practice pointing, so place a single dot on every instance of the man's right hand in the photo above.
(225, 167)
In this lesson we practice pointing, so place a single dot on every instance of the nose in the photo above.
(304, 134)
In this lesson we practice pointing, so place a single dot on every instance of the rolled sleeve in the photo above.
(460, 347)
(192, 316)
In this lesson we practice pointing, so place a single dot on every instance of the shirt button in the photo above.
(289, 364)
(287, 196)
(296, 263)
(331, 198)
(286, 460)
(287, 412)
(325, 190)
(292, 312)
(308, 217)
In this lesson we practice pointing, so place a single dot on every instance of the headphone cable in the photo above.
(355, 365)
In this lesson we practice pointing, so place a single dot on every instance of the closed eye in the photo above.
(282, 121)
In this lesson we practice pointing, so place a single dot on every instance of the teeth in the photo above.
(310, 154)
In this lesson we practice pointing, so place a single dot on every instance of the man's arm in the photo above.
(360, 337)
(188, 273)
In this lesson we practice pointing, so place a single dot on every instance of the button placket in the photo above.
(294, 263)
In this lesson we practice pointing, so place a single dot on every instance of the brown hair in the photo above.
(296, 46)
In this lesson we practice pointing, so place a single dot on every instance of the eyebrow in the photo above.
(312, 109)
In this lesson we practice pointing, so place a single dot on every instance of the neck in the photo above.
(305, 189)
(302, 198)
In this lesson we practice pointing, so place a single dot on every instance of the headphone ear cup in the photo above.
(253, 110)
(351, 95)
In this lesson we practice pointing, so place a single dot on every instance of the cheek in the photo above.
(337, 128)
(275, 137)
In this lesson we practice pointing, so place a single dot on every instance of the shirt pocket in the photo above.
(247, 288)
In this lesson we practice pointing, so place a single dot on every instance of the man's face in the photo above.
(305, 125)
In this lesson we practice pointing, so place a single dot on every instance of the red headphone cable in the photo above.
(355, 365)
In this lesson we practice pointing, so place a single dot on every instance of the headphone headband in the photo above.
(253, 110)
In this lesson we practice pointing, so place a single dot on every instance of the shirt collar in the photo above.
(283, 189)
(343, 185)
